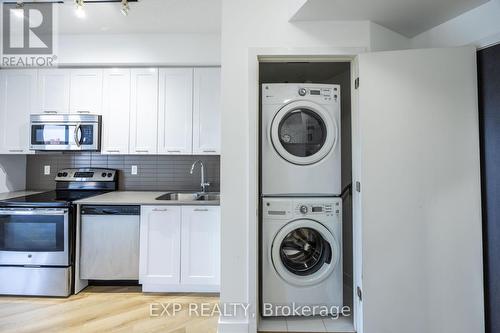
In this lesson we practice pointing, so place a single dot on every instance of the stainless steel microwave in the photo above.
(65, 132)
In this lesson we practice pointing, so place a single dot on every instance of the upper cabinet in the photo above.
(85, 91)
(207, 111)
(175, 118)
(54, 90)
(116, 111)
(18, 94)
(144, 111)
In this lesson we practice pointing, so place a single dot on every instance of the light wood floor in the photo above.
(103, 309)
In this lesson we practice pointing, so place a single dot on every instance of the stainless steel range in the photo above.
(37, 234)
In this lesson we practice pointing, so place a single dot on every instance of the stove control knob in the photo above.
(302, 91)
(64, 174)
(303, 209)
(110, 174)
(103, 174)
(59, 174)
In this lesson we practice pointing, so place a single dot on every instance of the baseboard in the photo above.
(226, 326)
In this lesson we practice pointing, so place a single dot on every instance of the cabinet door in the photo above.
(160, 234)
(116, 111)
(175, 119)
(86, 91)
(17, 101)
(207, 111)
(144, 111)
(53, 90)
(420, 196)
(200, 241)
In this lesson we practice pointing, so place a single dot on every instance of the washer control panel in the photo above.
(276, 93)
(314, 209)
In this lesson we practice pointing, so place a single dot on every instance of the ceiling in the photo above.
(407, 17)
(145, 16)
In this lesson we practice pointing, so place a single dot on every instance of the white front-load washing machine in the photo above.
(301, 256)
(300, 140)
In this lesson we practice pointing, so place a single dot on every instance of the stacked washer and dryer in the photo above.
(301, 244)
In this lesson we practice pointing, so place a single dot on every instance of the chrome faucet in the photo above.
(203, 183)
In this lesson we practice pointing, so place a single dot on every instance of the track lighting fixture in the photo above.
(125, 7)
(79, 10)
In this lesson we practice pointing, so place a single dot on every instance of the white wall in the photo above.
(12, 173)
(250, 28)
(383, 39)
(139, 49)
(480, 27)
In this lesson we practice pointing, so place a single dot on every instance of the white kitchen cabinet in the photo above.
(144, 111)
(200, 245)
(160, 235)
(417, 159)
(180, 249)
(18, 94)
(54, 90)
(175, 119)
(207, 111)
(116, 111)
(85, 91)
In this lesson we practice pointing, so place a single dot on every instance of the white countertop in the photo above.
(15, 194)
(139, 198)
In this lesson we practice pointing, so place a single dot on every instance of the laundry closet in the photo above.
(306, 230)
(409, 240)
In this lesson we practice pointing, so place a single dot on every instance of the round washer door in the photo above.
(303, 132)
(304, 252)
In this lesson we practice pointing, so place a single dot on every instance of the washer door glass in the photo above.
(304, 251)
(303, 132)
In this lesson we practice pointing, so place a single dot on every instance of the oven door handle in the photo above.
(34, 212)
(77, 130)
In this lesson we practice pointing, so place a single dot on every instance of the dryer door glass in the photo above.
(304, 251)
(302, 132)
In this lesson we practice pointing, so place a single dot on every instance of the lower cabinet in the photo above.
(180, 249)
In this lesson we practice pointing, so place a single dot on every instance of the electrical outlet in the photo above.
(134, 170)
(46, 170)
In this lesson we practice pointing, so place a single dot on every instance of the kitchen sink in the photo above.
(185, 196)
(209, 197)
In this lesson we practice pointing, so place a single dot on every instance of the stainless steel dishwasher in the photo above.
(109, 243)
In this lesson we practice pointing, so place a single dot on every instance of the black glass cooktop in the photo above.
(59, 198)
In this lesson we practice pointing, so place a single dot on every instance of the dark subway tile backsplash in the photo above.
(154, 173)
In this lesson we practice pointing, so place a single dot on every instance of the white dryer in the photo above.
(300, 140)
(301, 257)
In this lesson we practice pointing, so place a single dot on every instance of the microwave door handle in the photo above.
(77, 139)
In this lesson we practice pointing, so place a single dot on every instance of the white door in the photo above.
(420, 192)
(200, 262)
(207, 111)
(86, 91)
(18, 89)
(53, 90)
(175, 119)
(160, 235)
(116, 111)
(144, 111)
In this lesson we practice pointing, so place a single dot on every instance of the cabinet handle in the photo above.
(160, 210)
(50, 111)
(113, 150)
(201, 210)
(16, 150)
(210, 151)
(141, 150)
(173, 151)
(82, 111)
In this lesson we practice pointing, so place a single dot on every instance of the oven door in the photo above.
(34, 237)
(65, 136)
